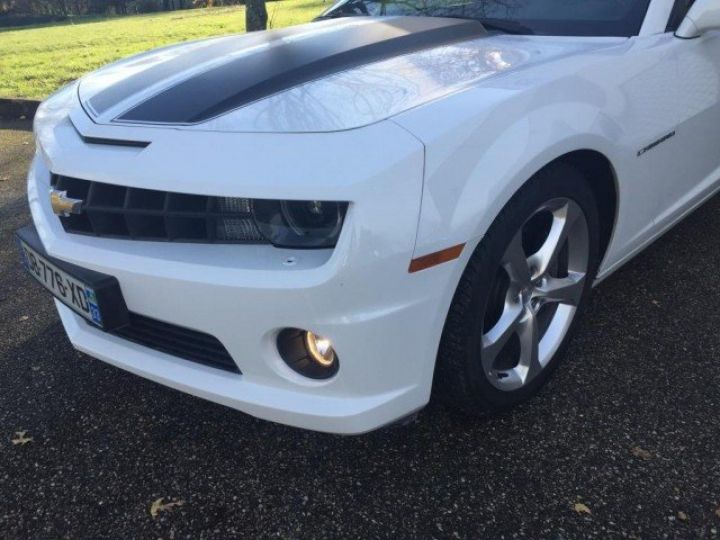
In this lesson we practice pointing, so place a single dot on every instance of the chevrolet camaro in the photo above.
(325, 225)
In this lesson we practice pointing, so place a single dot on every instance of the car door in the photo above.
(683, 153)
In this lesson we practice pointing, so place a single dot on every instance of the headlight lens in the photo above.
(300, 224)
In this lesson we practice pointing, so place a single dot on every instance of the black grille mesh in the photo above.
(145, 214)
(177, 341)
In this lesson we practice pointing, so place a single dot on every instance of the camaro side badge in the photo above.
(62, 205)
(656, 143)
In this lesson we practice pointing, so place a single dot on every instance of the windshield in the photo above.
(543, 17)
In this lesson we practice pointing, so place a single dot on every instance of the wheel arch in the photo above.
(601, 175)
(602, 179)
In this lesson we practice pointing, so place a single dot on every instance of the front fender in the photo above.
(476, 162)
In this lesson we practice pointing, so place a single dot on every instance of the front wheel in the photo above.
(520, 295)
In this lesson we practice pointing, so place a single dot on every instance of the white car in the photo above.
(323, 225)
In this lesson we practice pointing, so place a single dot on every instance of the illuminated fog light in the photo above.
(307, 353)
(320, 349)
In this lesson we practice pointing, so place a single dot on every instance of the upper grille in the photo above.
(177, 341)
(146, 214)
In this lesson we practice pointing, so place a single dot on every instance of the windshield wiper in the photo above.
(338, 15)
(505, 26)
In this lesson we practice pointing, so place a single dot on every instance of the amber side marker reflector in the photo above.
(433, 259)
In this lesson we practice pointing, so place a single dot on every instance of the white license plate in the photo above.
(69, 290)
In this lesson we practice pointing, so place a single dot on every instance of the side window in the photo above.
(678, 14)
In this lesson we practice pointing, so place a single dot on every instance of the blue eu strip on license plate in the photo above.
(69, 290)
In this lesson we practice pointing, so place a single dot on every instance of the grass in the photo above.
(36, 61)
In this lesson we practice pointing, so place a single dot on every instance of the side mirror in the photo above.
(704, 15)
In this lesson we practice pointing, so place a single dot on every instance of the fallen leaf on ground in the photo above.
(682, 516)
(640, 453)
(717, 512)
(24, 318)
(21, 439)
(158, 506)
(581, 508)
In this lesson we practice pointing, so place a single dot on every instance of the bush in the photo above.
(7, 21)
(148, 6)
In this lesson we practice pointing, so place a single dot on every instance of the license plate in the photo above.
(68, 289)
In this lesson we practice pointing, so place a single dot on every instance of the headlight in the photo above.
(299, 224)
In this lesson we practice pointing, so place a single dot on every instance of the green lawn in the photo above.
(36, 61)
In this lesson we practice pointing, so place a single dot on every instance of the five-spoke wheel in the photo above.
(520, 294)
(541, 280)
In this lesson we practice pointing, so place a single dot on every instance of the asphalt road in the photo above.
(629, 428)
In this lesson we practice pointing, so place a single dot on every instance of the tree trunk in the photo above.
(255, 15)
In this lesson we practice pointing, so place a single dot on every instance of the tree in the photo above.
(256, 15)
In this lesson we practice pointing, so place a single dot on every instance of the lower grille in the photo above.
(177, 341)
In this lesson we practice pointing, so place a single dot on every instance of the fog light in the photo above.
(320, 349)
(307, 353)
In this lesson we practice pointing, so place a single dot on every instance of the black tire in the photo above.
(460, 380)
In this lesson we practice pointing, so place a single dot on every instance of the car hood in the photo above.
(319, 77)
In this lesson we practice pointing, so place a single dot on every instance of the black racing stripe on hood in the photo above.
(115, 93)
(183, 57)
(287, 64)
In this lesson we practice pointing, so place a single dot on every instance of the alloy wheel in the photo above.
(534, 297)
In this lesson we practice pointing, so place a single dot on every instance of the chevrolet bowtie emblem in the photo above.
(62, 205)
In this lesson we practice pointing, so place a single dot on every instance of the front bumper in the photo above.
(385, 323)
